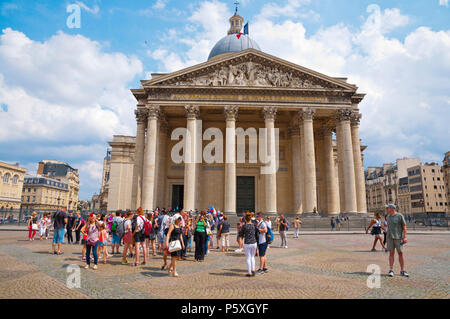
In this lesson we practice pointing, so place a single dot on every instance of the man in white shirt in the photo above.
(262, 244)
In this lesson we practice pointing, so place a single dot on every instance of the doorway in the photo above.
(245, 194)
(177, 196)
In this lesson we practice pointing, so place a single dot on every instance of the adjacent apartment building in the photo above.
(11, 182)
(63, 172)
(43, 193)
(416, 188)
(427, 190)
(383, 184)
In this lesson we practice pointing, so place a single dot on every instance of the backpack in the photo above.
(114, 226)
(120, 229)
(134, 223)
(287, 225)
(269, 235)
(147, 226)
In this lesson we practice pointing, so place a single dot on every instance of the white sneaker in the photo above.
(86, 267)
(95, 267)
(285, 246)
(238, 250)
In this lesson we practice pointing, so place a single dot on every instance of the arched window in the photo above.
(6, 178)
(15, 179)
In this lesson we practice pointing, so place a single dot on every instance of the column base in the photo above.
(230, 214)
(352, 214)
(271, 214)
(317, 215)
(329, 214)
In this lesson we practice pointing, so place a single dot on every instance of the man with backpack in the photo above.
(138, 228)
(262, 244)
(117, 230)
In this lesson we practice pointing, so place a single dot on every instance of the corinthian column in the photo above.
(330, 173)
(148, 187)
(297, 182)
(347, 162)
(359, 168)
(231, 113)
(190, 158)
(310, 201)
(271, 176)
(136, 188)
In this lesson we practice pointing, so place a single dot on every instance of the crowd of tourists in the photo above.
(170, 233)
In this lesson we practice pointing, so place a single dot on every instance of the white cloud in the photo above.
(443, 3)
(65, 97)
(160, 4)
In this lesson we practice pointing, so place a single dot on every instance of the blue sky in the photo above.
(64, 92)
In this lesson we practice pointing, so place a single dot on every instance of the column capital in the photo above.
(270, 113)
(231, 112)
(355, 118)
(343, 115)
(326, 130)
(306, 114)
(192, 111)
(141, 115)
(154, 111)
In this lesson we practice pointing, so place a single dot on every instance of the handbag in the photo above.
(174, 246)
(34, 227)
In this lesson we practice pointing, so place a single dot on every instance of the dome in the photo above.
(231, 43)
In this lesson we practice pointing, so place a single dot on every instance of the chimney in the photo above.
(40, 170)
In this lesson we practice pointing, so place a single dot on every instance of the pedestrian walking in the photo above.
(69, 228)
(117, 231)
(175, 243)
(139, 236)
(102, 242)
(92, 241)
(250, 234)
(262, 244)
(396, 239)
(32, 226)
(43, 226)
(127, 237)
(377, 227)
(338, 223)
(332, 224)
(200, 226)
(153, 232)
(79, 223)
(297, 224)
(59, 226)
(283, 230)
(225, 233)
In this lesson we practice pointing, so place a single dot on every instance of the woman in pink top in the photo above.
(92, 239)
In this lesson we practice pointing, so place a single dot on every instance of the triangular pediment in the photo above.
(249, 68)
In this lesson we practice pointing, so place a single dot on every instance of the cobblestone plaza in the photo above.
(314, 266)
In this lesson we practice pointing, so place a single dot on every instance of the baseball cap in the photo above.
(391, 206)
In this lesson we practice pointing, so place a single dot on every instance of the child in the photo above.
(102, 241)
(83, 242)
(42, 226)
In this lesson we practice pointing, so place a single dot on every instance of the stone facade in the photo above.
(63, 172)
(11, 183)
(383, 185)
(233, 93)
(121, 164)
(43, 193)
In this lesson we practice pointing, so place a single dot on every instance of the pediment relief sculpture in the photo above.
(254, 74)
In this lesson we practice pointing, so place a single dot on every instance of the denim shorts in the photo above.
(161, 237)
(115, 239)
(58, 236)
(262, 249)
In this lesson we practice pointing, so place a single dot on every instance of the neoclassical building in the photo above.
(320, 162)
